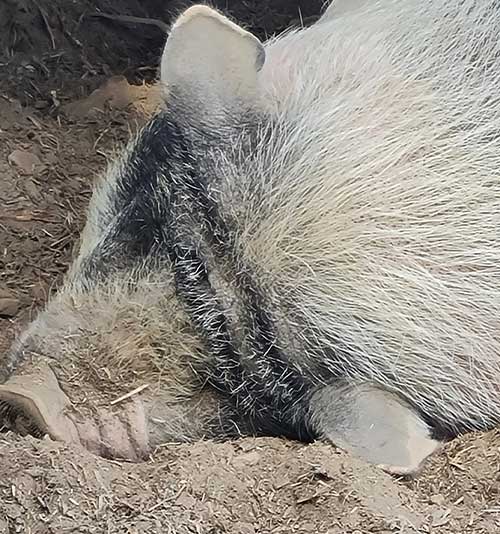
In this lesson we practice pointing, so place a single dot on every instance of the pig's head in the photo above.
(106, 368)
(110, 366)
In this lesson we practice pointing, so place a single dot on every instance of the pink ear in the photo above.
(211, 61)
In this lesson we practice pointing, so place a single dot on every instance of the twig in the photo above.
(47, 25)
(129, 394)
(133, 20)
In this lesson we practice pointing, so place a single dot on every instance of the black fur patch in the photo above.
(163, 214)
(142, 201)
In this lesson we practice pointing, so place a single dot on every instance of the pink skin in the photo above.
(118, 431)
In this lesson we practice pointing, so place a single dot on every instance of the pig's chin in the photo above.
(34, 404)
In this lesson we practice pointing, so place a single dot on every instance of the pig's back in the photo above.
(376, 223)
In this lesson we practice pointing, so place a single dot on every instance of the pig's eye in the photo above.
(16, 418)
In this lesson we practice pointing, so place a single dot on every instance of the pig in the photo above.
(304, 242)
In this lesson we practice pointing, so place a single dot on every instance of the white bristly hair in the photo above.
(382, 196)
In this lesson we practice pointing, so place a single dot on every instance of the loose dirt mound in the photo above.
(51, 149)
(246, 487)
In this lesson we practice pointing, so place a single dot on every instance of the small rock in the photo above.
(9, 305)
(26, 161)
(115, 93)
(437, 499)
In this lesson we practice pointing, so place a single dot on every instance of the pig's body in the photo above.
(307, 245)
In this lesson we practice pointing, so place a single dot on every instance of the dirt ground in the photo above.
(55, 137)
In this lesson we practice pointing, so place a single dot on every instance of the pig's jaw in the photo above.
(35, 404)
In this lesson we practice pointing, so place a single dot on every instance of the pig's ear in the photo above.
(210, 61)
(35, 404)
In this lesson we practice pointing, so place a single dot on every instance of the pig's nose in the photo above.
(35, 404)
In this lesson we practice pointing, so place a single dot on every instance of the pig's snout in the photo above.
(35, 404)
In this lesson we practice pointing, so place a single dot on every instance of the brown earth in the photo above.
(52, 146)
